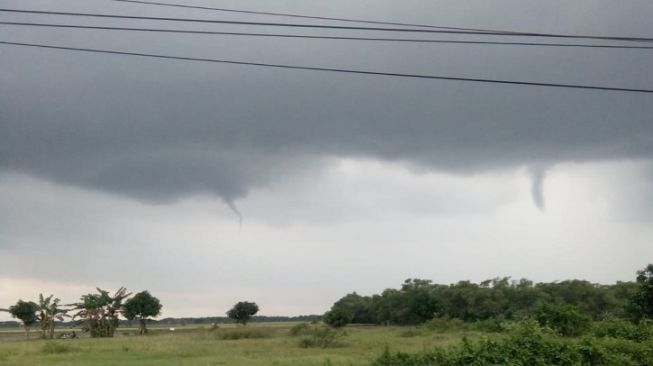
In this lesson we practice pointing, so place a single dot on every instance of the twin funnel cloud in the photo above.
(537, 173)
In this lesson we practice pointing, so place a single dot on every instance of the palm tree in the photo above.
(100, 311)
(49, 312)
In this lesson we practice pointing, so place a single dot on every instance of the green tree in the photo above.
(242, 312)
(337, 317)
(49, 312)
(100, 311)
(352, 308)
(141, 306)
(26, 312)
(640, 305)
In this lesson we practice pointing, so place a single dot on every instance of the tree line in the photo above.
(419, 300)
(99, 312)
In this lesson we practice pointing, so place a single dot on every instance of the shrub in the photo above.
(322, 337)
(530, 345)
(300, 329)
(565, 319)
(250, 333)
(621, 329)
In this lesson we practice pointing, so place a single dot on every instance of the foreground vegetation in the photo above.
(439, 342)
(256, 344)
(497, 322)
(530, 344)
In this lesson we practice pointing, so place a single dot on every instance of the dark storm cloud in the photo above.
(158, 130)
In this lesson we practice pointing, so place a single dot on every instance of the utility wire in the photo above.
(295, 25)
(304, 16)
(335, 70)
(407, 40)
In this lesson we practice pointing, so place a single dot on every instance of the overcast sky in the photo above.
(127, 171)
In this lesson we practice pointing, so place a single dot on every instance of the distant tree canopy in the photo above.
(141, 306)
(420, 300)
(25, 311)
(242, 312)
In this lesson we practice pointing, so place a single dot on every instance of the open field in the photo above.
(270, 344)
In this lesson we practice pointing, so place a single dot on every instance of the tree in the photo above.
(141, 306)
(337, 317)
(242, 312)
(100, 311)
(352, 308)
(26, 312)
(49, 312)
(640, 305)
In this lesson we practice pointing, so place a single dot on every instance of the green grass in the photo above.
(257, 344)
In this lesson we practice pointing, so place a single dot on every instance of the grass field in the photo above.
(269, 344)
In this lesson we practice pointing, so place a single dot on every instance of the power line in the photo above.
(335, 70)
(407, 40)
(304, 16)
(295, 25)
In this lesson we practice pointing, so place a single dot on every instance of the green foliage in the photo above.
(49, 312)
(300, 329)
(26, 312)
(243, 311)
(641, 303)
(100, 312)
(418, 301)
(565, 319)
(337, 317)
(234, 334)
(322, 337)
(141, 306)
(621, 329)
(352, 308)
(529, 345)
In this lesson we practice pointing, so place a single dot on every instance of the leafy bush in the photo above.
(530, 345)
(565, 319)
(621, 329)
(249, 333)
(322, 337)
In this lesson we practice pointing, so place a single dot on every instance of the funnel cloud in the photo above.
(158, 131)
(537, 187)
(130, 171)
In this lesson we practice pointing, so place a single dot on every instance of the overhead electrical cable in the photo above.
(304, 16)
(277, 35)
(296, 25)
(334, 70)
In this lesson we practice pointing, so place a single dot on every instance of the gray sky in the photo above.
(120, 170)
